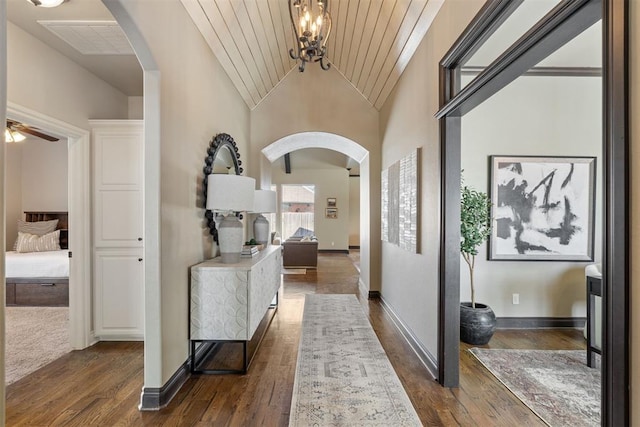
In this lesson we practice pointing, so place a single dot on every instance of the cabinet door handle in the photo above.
(140, 259)
(139, 239)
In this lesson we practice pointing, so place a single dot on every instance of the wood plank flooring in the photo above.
(100, 386)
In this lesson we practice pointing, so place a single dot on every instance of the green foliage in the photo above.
(475, 220)
(475, 228)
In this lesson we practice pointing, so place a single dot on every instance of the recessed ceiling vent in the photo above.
(91, 37)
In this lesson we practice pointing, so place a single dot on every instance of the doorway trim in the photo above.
(357, 152)
(79, 194)
(566, 20)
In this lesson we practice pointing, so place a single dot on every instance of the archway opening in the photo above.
(354, 151)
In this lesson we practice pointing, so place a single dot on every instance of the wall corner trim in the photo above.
(156, 398)
(539, 322)
(423, 354)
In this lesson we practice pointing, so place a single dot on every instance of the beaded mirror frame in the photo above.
(218, 143)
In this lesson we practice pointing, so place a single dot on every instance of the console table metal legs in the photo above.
(594, 288)
(199, 354)
(213, 346)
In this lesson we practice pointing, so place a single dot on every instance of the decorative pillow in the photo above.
(39, 228)
(33, 243)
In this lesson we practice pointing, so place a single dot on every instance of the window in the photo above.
(297, 210)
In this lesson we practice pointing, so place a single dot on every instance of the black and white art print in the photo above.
(542, 208)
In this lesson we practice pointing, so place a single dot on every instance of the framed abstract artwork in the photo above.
(542, 208)
(331, 213)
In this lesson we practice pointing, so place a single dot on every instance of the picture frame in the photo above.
(331, 213)
(542, 208)
(331, 202)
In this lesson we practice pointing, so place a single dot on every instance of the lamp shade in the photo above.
(265, 201)
(230, 193)
(46, 3)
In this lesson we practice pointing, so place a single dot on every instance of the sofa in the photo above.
(300, 253)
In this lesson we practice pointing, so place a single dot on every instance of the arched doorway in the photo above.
(368, 249)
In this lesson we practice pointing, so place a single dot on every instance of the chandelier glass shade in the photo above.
(312, 25)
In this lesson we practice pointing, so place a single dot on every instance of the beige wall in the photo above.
(36, 177)
(336, 108)
(354, 211)
(197, 101)
(561, 117)
(410, 281)
(332, 234)
(3, 111)
(13, 192)
(634, 113)
(70, 94)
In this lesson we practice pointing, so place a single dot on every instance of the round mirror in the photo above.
(222, 158)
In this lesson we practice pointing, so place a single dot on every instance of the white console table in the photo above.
(228, 302)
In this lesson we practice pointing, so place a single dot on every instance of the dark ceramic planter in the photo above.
(477, 325)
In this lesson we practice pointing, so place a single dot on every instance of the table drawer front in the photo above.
(38, 294)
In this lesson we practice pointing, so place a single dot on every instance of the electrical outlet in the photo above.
(516, 298)
(333, 244)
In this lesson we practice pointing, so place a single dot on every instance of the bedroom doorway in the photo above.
(78, 162)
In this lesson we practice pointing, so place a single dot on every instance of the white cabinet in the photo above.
(118, 160)
(119, 294)
(118, 269)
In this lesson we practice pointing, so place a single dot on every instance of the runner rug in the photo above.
(557, 385)
(343, 376)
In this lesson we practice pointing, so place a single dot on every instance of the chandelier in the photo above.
(311, 24)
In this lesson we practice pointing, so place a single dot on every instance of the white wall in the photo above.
(337, 108)
(36, 177)
(197, 101)
(634, 303)
(354, 210)
(332, 234)
(70, 93)
(545, 116)
(410, 281)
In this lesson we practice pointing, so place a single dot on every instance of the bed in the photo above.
(40, 278)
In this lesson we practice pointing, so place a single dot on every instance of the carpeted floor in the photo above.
(343, 376)
(555, 384)
(35, 336)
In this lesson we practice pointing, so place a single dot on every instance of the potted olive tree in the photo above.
(477, 321)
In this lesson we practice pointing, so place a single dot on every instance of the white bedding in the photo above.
(52, 264)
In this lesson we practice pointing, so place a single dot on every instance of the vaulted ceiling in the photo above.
(370, 44)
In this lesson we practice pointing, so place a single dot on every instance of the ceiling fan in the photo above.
(14, 127)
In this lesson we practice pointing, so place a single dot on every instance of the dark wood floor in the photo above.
(101, 385)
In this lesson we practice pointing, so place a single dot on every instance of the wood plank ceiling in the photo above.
(370, 44)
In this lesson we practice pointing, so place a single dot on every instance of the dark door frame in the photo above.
(564, 22)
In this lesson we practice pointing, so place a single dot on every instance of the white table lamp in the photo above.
(228, 194)
(265, 202)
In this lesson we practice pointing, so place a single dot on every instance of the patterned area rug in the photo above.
(557, 385)
(35, 336)
(343, 376)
